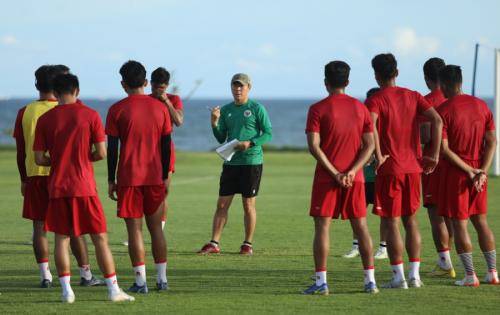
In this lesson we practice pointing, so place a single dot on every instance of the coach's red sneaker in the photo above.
(246, 249)
(209, 248)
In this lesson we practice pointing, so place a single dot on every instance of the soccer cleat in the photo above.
(162, 286)
(246, 249)
(68, 298)
(209, 248)
(138, 289)
(415, 283)
(93, 282)
(353, 253)
(381, 253)
(120, 296)
(125, 243)
(468, 281)
(439, 271)
(371, 288)
(317, 289)
(401, 284)
(45, 284)
(491, 278)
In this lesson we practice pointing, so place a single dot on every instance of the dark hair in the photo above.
(372, 91)
(432, 68)
(60, 69)
(160, 76)
(133, 74)
(385, 66)
(44, 77)
(450, 75)
(66, 83)
(337, 73)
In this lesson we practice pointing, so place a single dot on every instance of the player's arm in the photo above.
(425, 132)
(99, 152)
(219, 128)
(364, 155)
(112, 159)
(431, 161)
(490, 145)
(41, 158)
(457, 161)
(313, 142)
(165, 154)
(176, 115)
(378, 152)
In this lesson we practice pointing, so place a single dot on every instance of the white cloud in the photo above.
(407, 42)
(9, 40)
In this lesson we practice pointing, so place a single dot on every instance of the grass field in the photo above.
(268, 282)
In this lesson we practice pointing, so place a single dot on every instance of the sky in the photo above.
(282, 45)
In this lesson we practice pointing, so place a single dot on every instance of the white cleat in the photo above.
(401, 284)
(68, 298)
(492, 278)
(353, 253)
(381, 253)
(416, 283)
(468, 281)
(120, 296)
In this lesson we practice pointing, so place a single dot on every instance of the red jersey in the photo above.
(435, 98)
(398, 128)
(67, 132)
(341, 122)
(139, 121)
(466, 119)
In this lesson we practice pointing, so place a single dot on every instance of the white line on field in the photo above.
(192, 180)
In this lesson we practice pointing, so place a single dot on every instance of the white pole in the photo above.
(497, 110)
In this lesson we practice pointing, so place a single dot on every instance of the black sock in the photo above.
(247, 243)
(214, 242)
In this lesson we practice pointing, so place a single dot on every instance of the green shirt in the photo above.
(369, 171)
(246, 122)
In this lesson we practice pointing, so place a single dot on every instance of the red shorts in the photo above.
(331, 200)
(458, 197)
(137, 201)
(36, 198)
(397, 195)
(75, 216)
(430, 187)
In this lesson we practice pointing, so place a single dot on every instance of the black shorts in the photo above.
(369, 192)
(240, 179)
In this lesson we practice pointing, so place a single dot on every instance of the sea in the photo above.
(288, 118)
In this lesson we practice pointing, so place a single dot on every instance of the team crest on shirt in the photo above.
(247, 113)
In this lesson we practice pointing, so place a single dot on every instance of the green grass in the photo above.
(268, 282)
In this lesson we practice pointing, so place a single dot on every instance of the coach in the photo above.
(246, 121)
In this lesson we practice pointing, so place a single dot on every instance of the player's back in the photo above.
(398, 127)
(341, 121)
(139, 121)
(69, 131)
(466, 120)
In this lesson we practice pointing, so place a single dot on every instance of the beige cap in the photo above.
(241, 78)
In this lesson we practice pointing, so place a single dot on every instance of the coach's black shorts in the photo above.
(240, 179)
(369, 192)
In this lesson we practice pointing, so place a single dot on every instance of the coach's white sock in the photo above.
(445, 259)
(414, 272)
(112, 283)
(45, 270)
(369, 275)
(65, 281)
(163, 225)
(85, 272)
(320, 277)
(140, 274)
(161, 272)
(398, 272)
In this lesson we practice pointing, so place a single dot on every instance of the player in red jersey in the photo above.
(160, 79)
(394, 111)
(340, 137)
(141, 125)
(34, 179)
(67, 133)
(469, 143)
(442, 232)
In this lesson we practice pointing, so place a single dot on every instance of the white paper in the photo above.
(227, 150)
